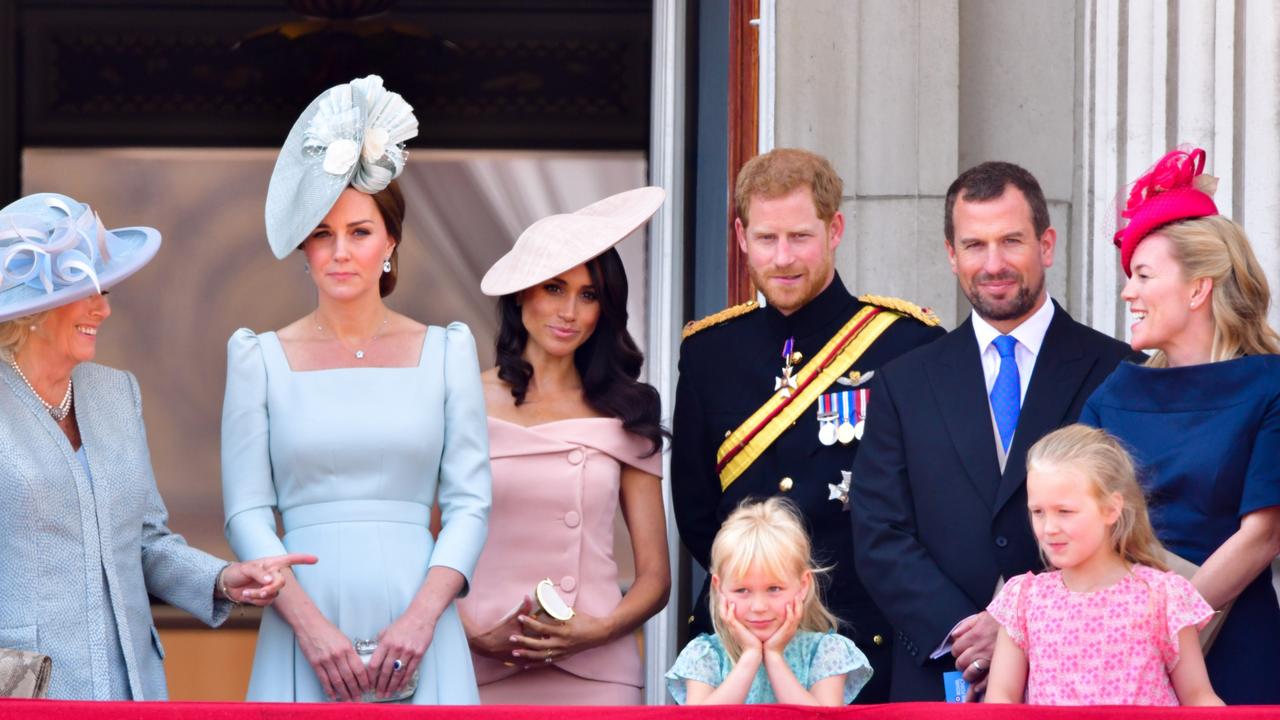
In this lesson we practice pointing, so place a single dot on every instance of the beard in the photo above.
(789, 300)
(1020, 304)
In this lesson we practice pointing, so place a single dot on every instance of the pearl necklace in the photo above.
(358, 352)
(58, 413)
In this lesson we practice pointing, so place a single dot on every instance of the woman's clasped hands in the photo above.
(547, 640)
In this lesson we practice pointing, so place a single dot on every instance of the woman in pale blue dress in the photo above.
(352, 421)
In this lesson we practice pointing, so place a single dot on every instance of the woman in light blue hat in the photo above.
(84, 536)
(352, 422)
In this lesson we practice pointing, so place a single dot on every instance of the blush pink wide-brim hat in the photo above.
(558, 243)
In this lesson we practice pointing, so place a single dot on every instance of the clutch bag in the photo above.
(24, 674)
(365, 648)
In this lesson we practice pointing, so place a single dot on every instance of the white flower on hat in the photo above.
(360, 129)
(375, 144)
(339, 156)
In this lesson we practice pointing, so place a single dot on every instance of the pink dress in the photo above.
(555, 497)
(1114, 646)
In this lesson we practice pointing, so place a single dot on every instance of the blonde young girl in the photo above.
(775, 642)
(1110, 626)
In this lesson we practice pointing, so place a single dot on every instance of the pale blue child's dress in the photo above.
(812, 656)
(353, 459)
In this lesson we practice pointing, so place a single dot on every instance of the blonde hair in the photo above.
(768, 534)
(14, 334)
(1216, 248)
(1101, 458)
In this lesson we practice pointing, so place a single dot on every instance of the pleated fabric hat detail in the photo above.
(352, 135)
(557, 243)
(55, 250)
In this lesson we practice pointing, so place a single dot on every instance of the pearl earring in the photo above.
(386, 265)
(306, 268)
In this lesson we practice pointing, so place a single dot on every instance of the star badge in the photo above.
(841, 492)
(786, 383)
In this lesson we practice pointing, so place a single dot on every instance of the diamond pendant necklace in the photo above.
(358, 352)
(58, 413)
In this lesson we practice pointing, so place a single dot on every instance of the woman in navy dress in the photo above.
(1202, 416)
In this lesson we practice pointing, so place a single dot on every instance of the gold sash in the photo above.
(746, 443)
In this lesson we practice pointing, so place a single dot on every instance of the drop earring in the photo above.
(386, 265)
(306, 268)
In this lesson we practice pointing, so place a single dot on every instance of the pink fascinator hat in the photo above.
(1174, 189)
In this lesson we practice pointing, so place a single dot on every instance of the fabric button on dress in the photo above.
(575, 456)
(572, 518)
(568, 583)
(1002, 541)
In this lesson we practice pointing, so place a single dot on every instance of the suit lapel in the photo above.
(957, 383)
(1060, 368)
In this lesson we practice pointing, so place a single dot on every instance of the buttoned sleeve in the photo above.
(695, 486)
(465, 485)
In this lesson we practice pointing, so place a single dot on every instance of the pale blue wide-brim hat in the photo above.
(353, 135)
(55, 250)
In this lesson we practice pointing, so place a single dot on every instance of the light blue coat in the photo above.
(79, 552)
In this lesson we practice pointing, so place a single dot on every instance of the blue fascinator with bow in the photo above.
(55, 250)
(352, 135)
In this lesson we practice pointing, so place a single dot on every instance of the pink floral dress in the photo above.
(1114, 646)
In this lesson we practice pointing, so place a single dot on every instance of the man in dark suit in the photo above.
(939, 500)
(732, 366)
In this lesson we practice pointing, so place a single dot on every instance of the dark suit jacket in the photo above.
(726, 373)
(936, 524)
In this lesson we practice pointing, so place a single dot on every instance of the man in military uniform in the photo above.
(771, 399)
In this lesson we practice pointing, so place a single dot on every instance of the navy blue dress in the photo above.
(1207, 442)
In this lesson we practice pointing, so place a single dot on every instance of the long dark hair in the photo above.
(608, 362)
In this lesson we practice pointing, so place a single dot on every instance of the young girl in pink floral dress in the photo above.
(1110, 626)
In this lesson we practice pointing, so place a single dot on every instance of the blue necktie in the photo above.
(1006, 393)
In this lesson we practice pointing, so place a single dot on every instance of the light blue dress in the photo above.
(352, 458)
(812, 656)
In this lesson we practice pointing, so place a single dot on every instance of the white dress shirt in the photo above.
(1030, 336)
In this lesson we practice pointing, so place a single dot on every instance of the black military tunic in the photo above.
(728, 371)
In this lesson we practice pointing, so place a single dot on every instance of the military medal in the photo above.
(860, 397)
(841, 492)
(787, 382)
(845, 432)
(827, 419)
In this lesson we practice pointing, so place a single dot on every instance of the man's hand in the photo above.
(973, 643)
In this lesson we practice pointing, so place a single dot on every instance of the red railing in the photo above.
(59, 710)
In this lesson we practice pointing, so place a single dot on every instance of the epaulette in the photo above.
(924, 315)
(695, 326)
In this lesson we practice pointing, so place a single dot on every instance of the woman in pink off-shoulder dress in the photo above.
(573, 436)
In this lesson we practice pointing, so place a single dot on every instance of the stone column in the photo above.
(873, 85)
(1196, 72)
